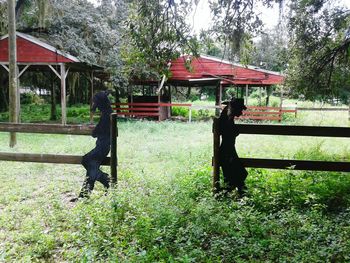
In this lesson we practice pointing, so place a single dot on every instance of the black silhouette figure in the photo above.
(93, 159)
(233, 170)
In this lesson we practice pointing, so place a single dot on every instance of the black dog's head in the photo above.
(235, 107)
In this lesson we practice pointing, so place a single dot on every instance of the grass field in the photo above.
(163, 210)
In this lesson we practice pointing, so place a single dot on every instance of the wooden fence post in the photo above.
(13, 71)
(114, 135)
(215, 160)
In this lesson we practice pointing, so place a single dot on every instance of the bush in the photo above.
(31, 98)
(180, 111)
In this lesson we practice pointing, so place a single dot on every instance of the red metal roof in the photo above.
(33, 50)
(205, 67)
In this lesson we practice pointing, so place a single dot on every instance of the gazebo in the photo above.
(220, 73)
(188, 71)
(34, 54)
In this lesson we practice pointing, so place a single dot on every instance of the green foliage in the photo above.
(162, 209)
(235, 23)
(318, 64)
(3, 17)
(157, 33)
(271, 51)
(41, 113)
(31, 98)
(201, 114)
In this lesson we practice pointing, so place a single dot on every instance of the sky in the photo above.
(201, 18)
(269, 16)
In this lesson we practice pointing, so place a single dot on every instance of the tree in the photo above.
(270, 51)
(235, 23)
(208, 45)
(319, 50)
(157, 33)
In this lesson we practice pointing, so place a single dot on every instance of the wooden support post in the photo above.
(130, 89)
(92, 93)
(159, 107)
(190, 114)
(281, 97)
(217, 99)
(215, 160)
(13, 72)
(170, 108)
(18, 95)
(246, 94)
(114, 135)
(260, 96)
(63, 94)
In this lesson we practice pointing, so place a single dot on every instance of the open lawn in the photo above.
(163, 209)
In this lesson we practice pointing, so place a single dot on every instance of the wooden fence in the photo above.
(281, 163)
(147, 109)
(265, 113)
(139, 109)
(59, 129)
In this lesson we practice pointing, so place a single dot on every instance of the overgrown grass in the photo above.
(41, 113)
(162, 209)
(78, 114)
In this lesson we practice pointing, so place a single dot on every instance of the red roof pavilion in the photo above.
(207, 69)
(32, 53)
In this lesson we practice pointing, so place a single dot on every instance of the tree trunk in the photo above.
(217, 100)
(268, 94)
(3, 94)
(188, 94)
(73, 81)
(13, 92)
(53, 113)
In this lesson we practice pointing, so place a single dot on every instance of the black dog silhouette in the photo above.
(233, 170)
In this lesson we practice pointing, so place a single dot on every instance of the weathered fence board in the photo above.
(294, 130)
(280, 163)
(44, 158)
(296, 164)
(46, 128)
(60, 129)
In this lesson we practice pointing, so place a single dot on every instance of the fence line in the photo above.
(59, 129)
(296, 164)
(45, 158)
(322, 131)
(281, 163)
(46, 128)
(322, 109)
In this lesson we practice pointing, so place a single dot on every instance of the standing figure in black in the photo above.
(93, 159)
(233, 170)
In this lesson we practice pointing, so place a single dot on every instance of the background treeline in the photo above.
(136, 39)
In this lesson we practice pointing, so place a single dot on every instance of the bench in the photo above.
(145, 109)
(265, 113)
(137, 109)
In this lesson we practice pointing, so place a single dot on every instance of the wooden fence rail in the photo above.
(146, 109)
(45, 158)
(59, 129)
(281, 163)
(322, 131)
(46, 128)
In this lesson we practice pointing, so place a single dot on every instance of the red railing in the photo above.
(265, 113)
(144, 109)
(148, 109)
